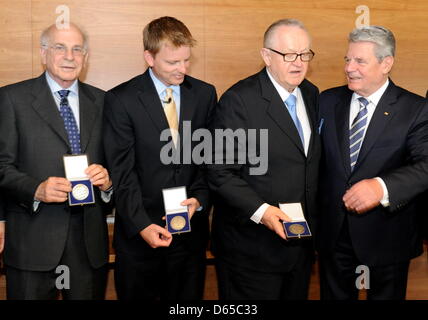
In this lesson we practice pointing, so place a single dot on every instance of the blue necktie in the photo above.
(356, 133)
(69, 122)
(291, 106)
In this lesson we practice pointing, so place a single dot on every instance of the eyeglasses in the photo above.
(60, 49)
(291, 57)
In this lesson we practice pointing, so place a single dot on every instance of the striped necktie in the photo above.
(356, 133)
(69, 122)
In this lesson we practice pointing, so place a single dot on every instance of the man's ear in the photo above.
(265, 53)
(85, 59)
(149, 57)
(387, 63)
(43, 52)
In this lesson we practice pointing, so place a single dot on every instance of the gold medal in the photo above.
(177, 223)
(296, 228)
(80, 192)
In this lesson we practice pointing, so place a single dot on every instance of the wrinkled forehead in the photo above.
(292, 38)
(361, 49)
(70, 36)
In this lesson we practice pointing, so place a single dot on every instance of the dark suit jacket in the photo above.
(33, 141)
(254, 103)
(2, 213)
(134, 120)
(395, 149)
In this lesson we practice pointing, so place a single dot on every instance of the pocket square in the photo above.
(320, 125)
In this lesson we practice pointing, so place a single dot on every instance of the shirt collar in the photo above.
(55, 87)
(283, 93)
(375, 96)
(160, 86)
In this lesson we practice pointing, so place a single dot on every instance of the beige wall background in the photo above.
(229, 34)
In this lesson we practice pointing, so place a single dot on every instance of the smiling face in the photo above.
(64, 67)
(287, 39)
(170, 64)
(364, 72)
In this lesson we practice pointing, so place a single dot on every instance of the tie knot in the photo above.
(168, 93)
(363, 102)
(291, 102)
(63, 93)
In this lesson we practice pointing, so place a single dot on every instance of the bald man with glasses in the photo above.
(255, 260)
(41, 120)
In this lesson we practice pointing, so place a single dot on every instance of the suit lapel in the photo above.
(382, 115)
(88, 111)
(151, 102)
(277, 110)
(44, 104)
(342, 110)
(187, 103)
(311, 112)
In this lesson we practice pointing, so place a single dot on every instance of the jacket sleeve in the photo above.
(119, 146)
(410, 180)
(225, 174)
(15, 183)
(199, 188)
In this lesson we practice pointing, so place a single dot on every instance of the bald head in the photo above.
(64, 53)
(48, 34)
(285, 38)
(271, 32)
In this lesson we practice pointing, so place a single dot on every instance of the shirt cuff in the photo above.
(258, 215)
(385, 199)
(106, 195)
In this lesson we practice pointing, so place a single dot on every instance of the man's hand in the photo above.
(53, 189)
(2, 235)
(156, 236)
(192, 205)
(99, 176)
(273, 218)
(363, 196)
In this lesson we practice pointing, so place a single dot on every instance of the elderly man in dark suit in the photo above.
(41, 120)
(375, 164)
(151, 263)
(254, 258)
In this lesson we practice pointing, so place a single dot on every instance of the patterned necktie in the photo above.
(356, 133)
(69, 122)
(171, 114)
(291, 106)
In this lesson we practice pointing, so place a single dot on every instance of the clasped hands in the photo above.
(363, 196)
(56, 189)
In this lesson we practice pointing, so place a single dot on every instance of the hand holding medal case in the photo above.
(297, 227)
(82, 189)
(177, 217)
